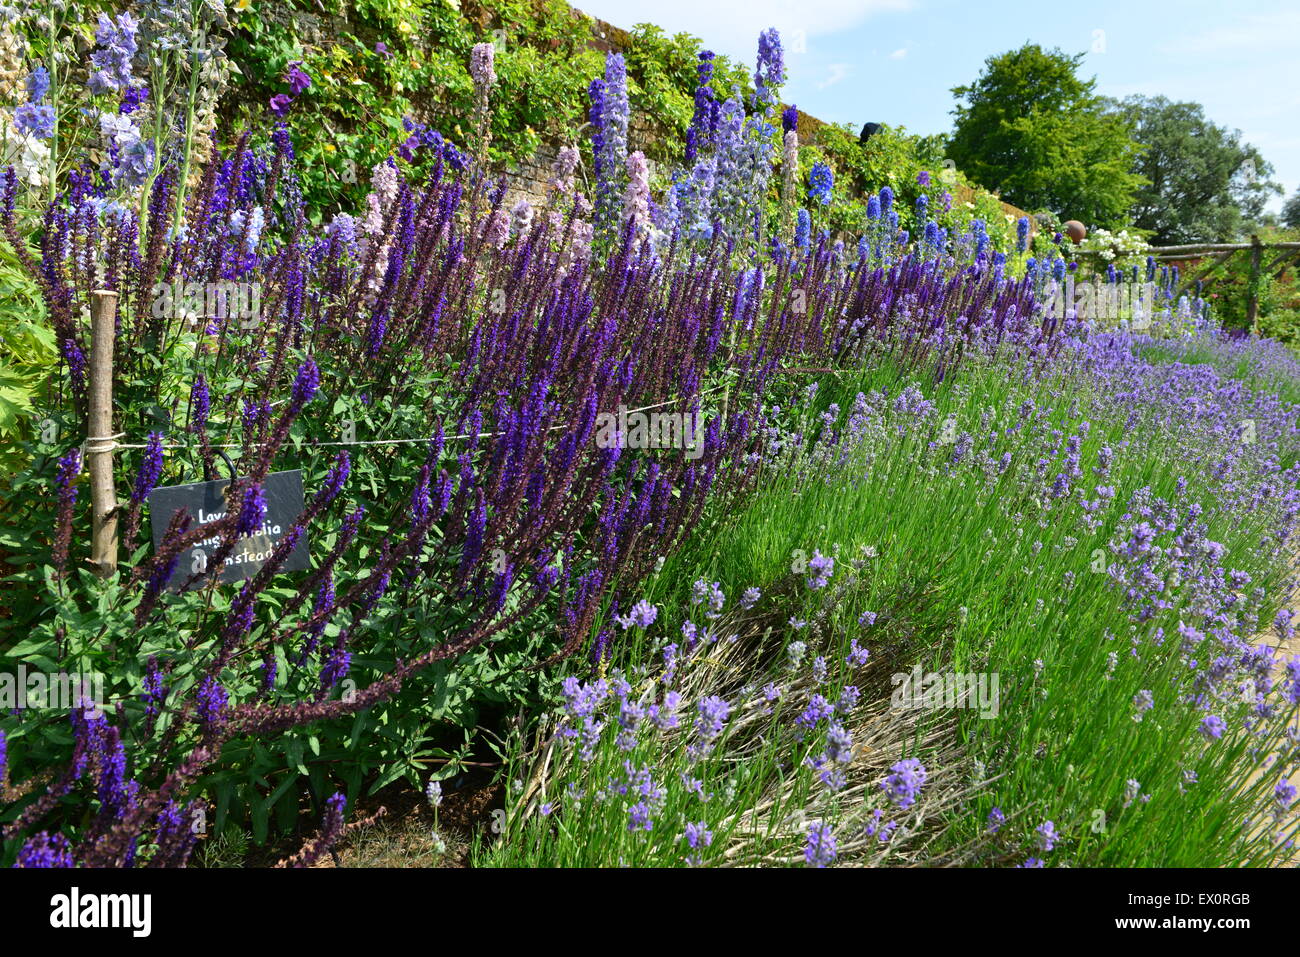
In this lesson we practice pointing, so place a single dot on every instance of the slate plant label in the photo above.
(206, 503)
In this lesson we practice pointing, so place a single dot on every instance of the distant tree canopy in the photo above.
(1202, 182)
(1291, 211)
(1035, 132)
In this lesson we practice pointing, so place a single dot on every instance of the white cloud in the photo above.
(898, 54)
(835, 74)
(733, 28)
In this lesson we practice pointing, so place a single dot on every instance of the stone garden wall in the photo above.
(529, 179)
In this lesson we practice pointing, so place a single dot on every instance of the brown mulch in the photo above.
(405, 827)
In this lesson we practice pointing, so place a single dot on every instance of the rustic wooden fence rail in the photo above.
(1218, 253)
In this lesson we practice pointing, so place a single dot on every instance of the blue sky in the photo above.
(895, 61)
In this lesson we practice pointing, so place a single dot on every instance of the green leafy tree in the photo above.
(1202, 182)
(1291, 212)
(1030, 128)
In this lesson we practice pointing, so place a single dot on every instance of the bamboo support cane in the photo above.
(99, 452)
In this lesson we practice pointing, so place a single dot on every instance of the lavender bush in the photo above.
(1070, 530)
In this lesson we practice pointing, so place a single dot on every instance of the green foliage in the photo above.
(1229, 286)
(1203, 184)
(545, 63)
(86, 626)
(1282, 325)
(891, 158)
(28, 357)
(360, 95)
(1035, 132)
(1291, 212)
(663, 74)
(894, 157)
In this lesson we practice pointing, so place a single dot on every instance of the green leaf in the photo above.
(293, 752)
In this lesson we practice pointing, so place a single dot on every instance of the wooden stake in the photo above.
(1252, 304)
(99, 454)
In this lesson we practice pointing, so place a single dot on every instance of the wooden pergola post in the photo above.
(1252, 303)
(99, 445)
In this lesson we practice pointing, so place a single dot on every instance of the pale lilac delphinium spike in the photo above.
(35, 119)
(790, 152)
(789, 177)
(769, 74)
(482, 64)
(342, 229)
(496, 229)
(110, 63)
(611, 100)
(636, 198)
(562, 172)
(521, 219)
(130, 156)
